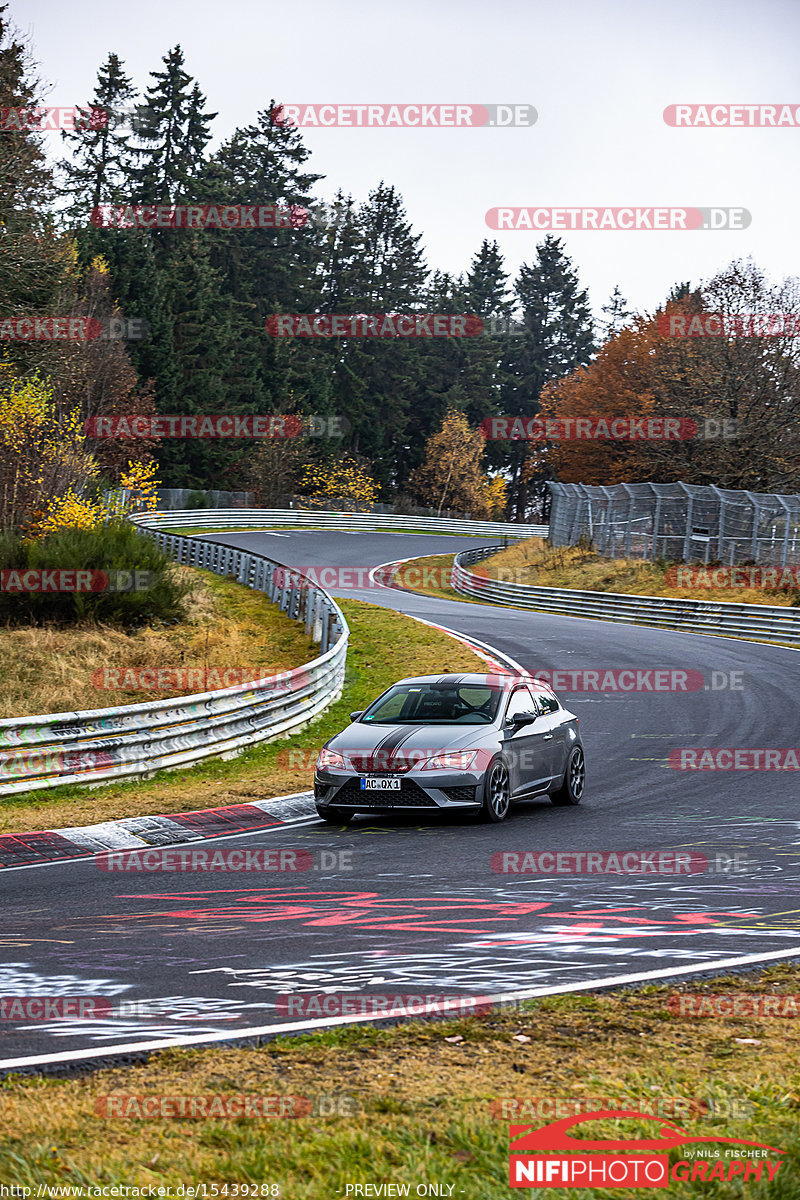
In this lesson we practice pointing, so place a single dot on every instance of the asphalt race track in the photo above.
(403, 906)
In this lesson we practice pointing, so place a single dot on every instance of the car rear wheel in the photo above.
(574, 781)
(496, 793)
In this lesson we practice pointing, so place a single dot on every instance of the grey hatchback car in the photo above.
(456, 742)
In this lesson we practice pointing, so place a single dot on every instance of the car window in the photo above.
(548, 702)
(391, 706)
(423, 704)
(521, 702)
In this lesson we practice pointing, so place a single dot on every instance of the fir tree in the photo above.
(98, 169)
(33, 262)
(617, 312)
(558, 337)
(172, 128)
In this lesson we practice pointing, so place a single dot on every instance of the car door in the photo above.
(528, 749)
(553, 724)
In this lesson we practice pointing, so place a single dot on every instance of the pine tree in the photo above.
(172, 127)
(618, 313)
(201, 345)
(264, 271)
(377, 381)
(558, 337)
(487, 283)
(394, 266)
(33, 261)
(101, 158)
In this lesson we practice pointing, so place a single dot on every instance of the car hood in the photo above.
(359, 739)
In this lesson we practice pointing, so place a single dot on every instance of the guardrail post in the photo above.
(316, 632)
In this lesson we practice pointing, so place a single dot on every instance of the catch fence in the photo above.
(677, 521)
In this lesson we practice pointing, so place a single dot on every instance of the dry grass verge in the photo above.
(417, 1104)
(537, 564)
(48, 670)
(384, 646)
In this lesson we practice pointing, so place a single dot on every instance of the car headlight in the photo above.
(330, 758)
(459, 760)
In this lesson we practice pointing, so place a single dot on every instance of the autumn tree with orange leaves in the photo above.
(642, 372)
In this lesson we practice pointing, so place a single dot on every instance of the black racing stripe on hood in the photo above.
(394, 739)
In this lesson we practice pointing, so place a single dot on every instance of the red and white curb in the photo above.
(133, 833)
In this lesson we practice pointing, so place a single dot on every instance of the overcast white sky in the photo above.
(599, 72)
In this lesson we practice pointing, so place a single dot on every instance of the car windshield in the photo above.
(434, 704)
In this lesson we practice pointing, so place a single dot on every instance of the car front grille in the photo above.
(381, 763)
(410, 795)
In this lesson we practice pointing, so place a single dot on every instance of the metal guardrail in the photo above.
(268, 518)
(768, 623)
(136, 740)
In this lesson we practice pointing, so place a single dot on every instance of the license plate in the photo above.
(377, 783)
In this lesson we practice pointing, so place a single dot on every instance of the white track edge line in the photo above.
(368, 1018)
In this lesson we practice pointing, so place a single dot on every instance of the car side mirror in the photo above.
(520, 719)
(355, 715)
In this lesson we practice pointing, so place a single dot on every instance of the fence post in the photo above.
(785, 550)
(656, 520)
(687, 536)
(756, 516)
(721, 530)
(631, 507)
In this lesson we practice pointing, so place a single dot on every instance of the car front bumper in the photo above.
(421, 790)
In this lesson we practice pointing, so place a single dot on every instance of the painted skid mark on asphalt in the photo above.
(223, 909)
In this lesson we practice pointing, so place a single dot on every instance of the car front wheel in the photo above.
(496, 793)
(574, 781)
